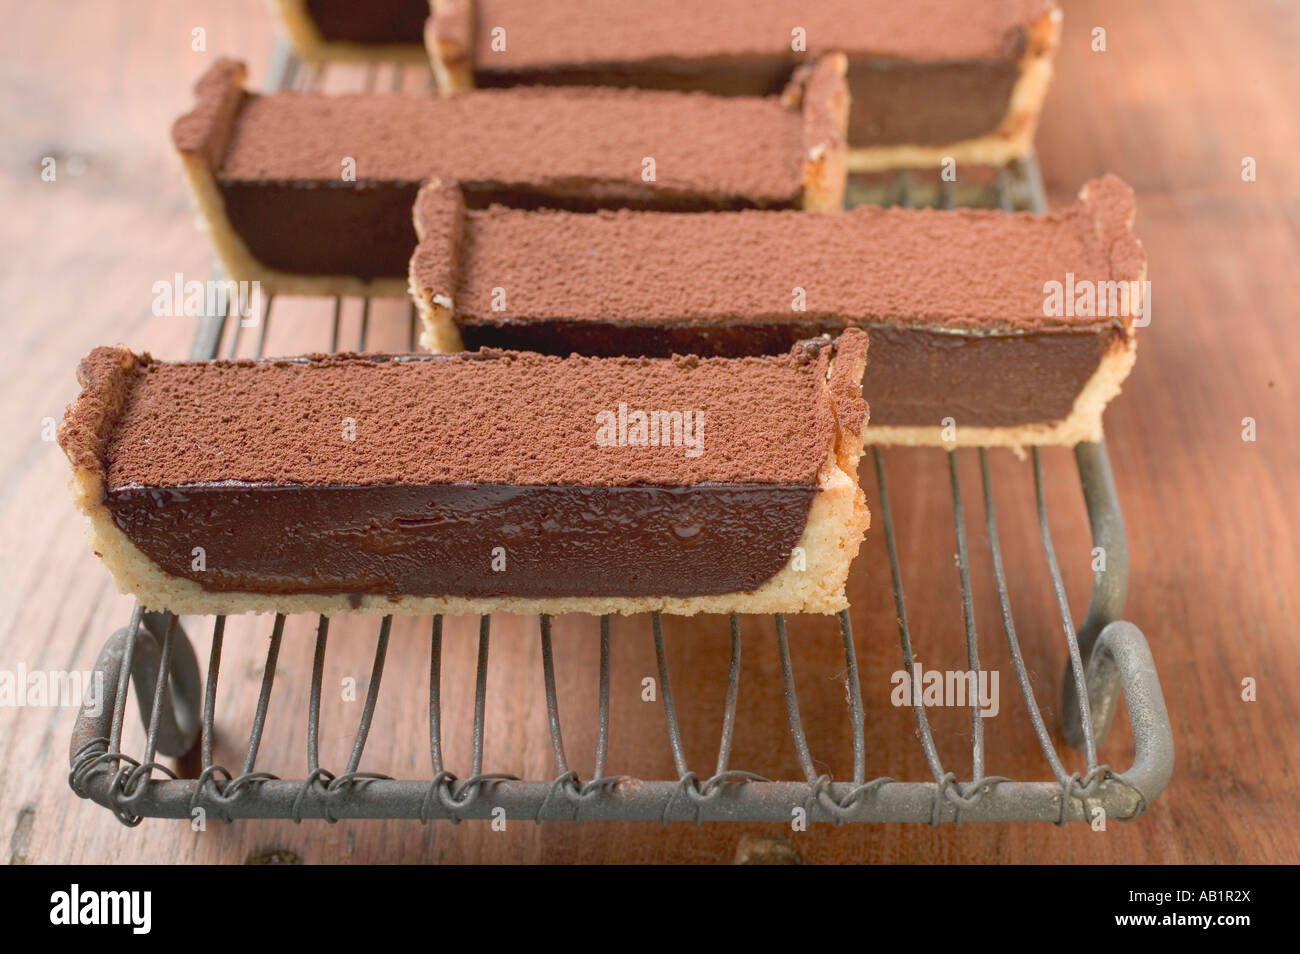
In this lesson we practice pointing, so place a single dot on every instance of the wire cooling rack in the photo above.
(1106, 657)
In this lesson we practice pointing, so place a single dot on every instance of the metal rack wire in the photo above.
(1106, 657)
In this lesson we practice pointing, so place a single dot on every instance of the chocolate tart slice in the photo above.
(373, 30)
(475, 483)
(968, 345)
(312, 194)
(929, 79)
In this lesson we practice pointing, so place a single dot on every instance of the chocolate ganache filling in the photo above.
(440, 539)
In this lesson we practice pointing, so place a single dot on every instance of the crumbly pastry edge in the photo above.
(314, 49)
(837, 520)
(439, 333)
(451, 61)
(1014, 137)
(825, 175)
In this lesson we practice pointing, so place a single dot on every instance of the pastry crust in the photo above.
(822, 93)
(812, 581)
(438, 216)
(448, 39)
(314, 49)
(1012, 139)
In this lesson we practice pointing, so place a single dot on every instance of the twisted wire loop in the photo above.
(567, 782)
(90, 758)
(339, 786)
(576, 791)
(687, 780)
(133, 787)
(115, 795)
(209, 777)
(457, 799)
(440, 779)
(715, 785)
(86, 759)
(940, 791)
(963, 794)
(128, 781)
(597, 785)
(815, 787)
(317, 780)
(844, 807)
(701, 793)
(1088, 785)
(231, 791)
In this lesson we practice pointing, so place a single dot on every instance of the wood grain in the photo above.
(1184, 91)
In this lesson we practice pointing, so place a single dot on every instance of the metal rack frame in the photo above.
(1106, 657)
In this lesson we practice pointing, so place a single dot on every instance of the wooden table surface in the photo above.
(1185, 90)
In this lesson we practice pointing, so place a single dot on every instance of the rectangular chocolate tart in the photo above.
(387, 30)
(475, 483)
(929, 78)
(964, 346)
(312, 194)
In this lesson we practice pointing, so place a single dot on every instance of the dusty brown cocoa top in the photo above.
(957, 269)
(746, 146)
(572, 32)
(487, 417)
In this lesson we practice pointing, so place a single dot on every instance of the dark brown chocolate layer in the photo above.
(361, 229)
(933, 104)
(438, 539)
(400, 475)
(919, 377)
(374, 21)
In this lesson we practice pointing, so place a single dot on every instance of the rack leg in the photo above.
(1109, 594)
(179, 725)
